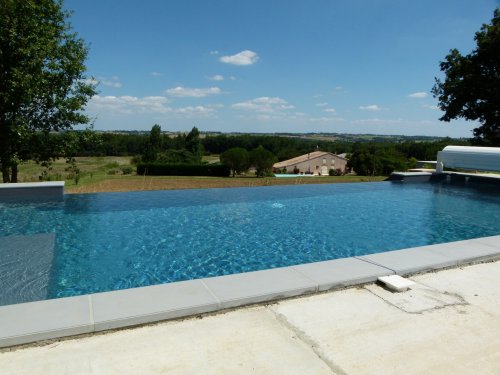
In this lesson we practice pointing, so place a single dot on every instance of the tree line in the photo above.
(241, 151)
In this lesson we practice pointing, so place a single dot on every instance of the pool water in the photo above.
(99, 242)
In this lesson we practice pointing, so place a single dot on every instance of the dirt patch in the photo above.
(135, 183)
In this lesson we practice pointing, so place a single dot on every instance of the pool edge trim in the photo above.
(137, 306)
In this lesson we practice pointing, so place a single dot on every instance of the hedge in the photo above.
(160, 169)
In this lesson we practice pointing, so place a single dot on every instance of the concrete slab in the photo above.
(259, 286)
(341, 272)
(418, 299)
(249, 341)
(362, 333)
(477, 285)
(33, 321)
(149, 304)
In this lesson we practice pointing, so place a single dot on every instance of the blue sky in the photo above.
(358, 66)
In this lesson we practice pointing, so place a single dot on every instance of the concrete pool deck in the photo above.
(34, 321)
(448, 323)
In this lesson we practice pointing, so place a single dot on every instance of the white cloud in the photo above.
(338, 88)
(322, 104)
(232, 78)
(215, 52)
(149, 105)
(113, 82)
(264, 105)
(130, 104)
(434, 107)
(156, 74)
(196, 111)
(371, 107)
(418, 95)
(110, 82)
(90, 81)
(329, 110)
(242, 58)
(378, 121)
(182, 92)
(217, 77)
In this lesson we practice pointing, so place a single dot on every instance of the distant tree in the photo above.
(153, 145)
(193, 143)
(43, 87)
(472, 84)
(237, 159)
(262, 160)
(364, 163)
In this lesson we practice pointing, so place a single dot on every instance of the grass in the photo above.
(104, 174)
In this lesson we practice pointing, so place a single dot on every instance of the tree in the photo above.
(364, 162)
(42, 83)
(153, 147)
(472, 84)
(262, 160)
(237, 159)
(193, 144)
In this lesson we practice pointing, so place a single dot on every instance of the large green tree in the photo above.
(263, 161)
(43, 86)
(471, 88)
(237, 159)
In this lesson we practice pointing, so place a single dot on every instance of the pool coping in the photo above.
(51, 319)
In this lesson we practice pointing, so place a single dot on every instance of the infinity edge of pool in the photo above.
(51, 319)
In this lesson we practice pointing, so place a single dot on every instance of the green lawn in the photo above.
(92, 169)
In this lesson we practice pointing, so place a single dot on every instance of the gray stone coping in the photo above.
(27, 185)
(36, 191)
(34, 321)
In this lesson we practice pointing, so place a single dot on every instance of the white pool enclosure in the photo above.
(470, 158)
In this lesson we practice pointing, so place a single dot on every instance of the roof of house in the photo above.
(305, 157)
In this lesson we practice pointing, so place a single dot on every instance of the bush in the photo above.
(126, 169)
(335, 172)
(159, 169)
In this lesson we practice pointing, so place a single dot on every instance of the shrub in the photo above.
(159, 169)
(126, 169)
(335, 172)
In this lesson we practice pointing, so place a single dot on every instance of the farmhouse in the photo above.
(317, 163)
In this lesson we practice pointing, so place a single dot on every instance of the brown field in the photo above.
(137, 183)
(105, 174)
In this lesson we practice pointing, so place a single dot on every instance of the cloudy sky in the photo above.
(360, 66)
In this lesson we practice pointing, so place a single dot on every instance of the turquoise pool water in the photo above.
(99, 242)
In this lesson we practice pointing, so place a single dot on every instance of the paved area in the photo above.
(449, 323)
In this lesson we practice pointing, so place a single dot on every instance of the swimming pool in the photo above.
(99, 242)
